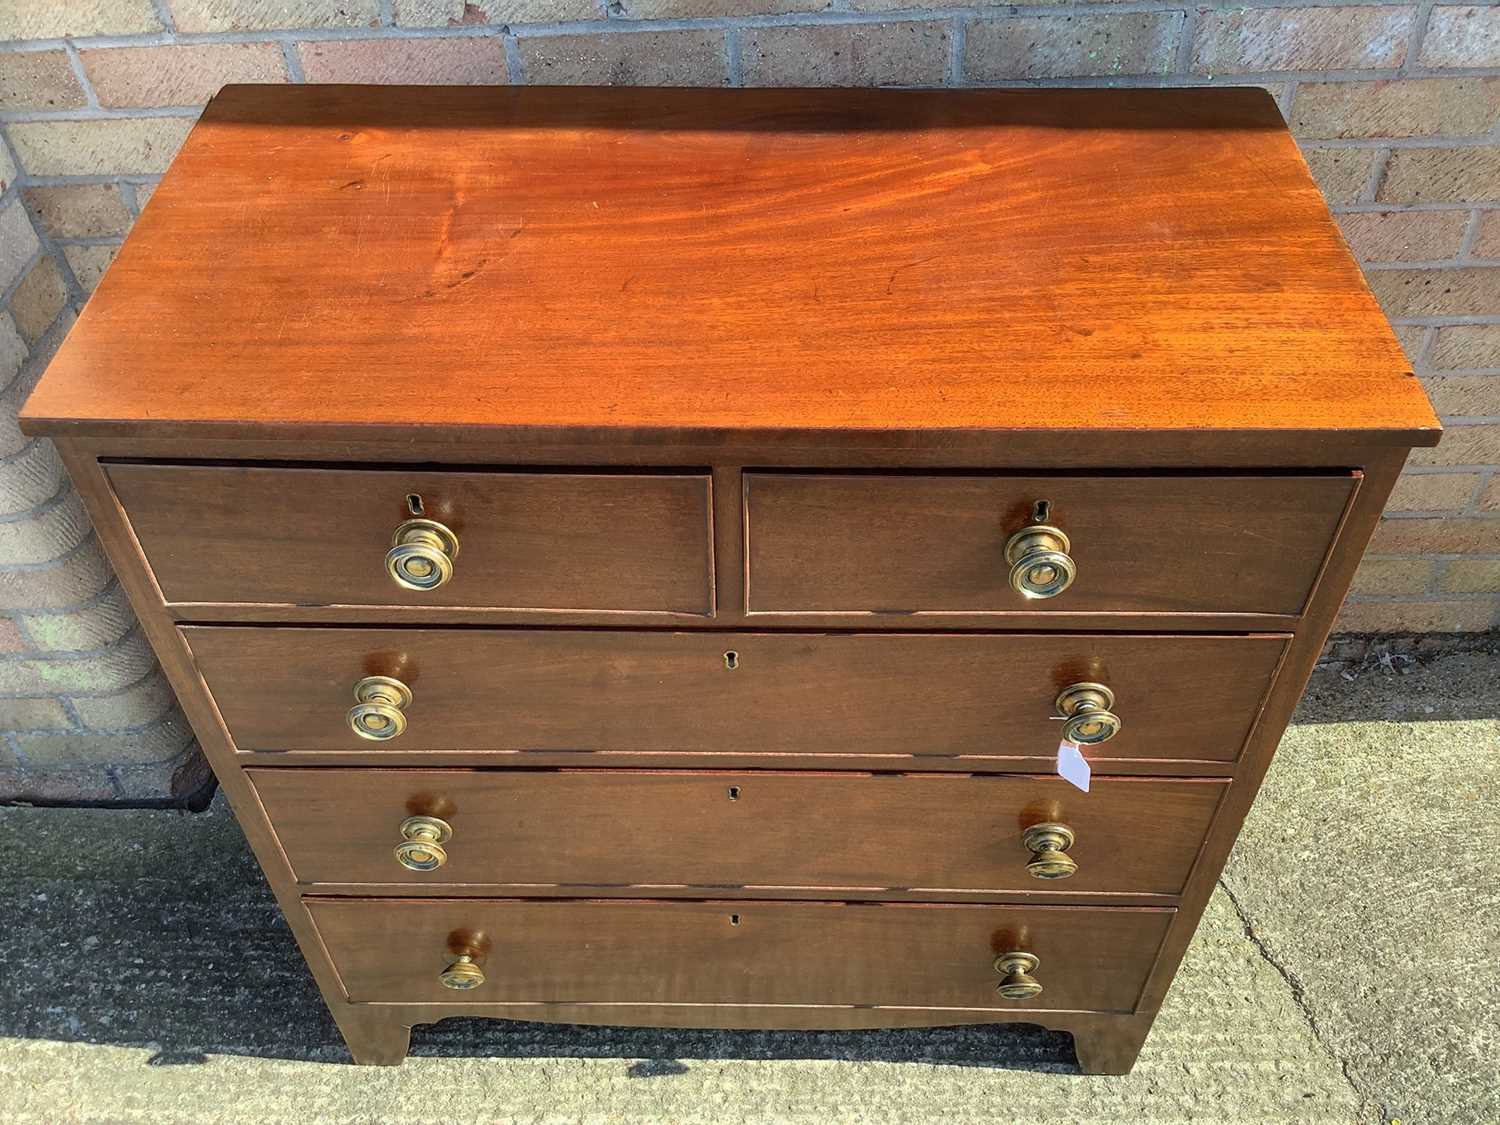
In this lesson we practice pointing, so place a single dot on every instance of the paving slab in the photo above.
(1369, 871)
(1345, 972)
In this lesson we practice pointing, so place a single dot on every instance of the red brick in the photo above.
(34, 714)
(1451, 535)
(1470, 616)
(10, 636)
(1462, 445)
(1467, 291)
(1487, 244)
(1460, 396)
(886, 54)
(1471, 576)
(1432, 492)
(37, 301)
(695, 9)
(1246, 40)
(1469, 174)
(1411, 340)
(1392, 576)
(471, 13)
(38, 80)
(263, 15)
(1341, 173)
(1069, 46)
(1461, 346)
(89, 263)
(79, 210)
(1411, 236)
(1462, 36)
(176, 75)
(73, 148)
(58, 19)
(84, 574)
(1417, 107)
(636, 58)
(452, 62)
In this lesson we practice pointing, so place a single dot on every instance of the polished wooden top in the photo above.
(640, 260)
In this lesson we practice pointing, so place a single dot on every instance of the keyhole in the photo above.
(1041, 510)
(734, 792)
(414, 504)
(731, 660)
(734, 919)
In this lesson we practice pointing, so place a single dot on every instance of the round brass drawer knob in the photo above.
(422, 839)
(1040, 566)
(421, 555)
(1016, 981)
(379, 711)
(1087, 709)
(462, 974)
(1048, 845)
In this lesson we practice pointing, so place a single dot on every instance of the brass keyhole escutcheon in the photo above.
(422, 839)
(1048, 845)
(1016, 981)
(1087, 711)
(379, 711)
(421, 555)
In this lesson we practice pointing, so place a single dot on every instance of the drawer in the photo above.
(320, 537)
(743, 694)
(631, 952)
(902, 544)
(630, 828)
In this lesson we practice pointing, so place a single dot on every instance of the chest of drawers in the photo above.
(631, 556)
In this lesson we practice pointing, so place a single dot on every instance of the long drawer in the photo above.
(751, 693)
(912, 543)
(839, 833)
(580, 541)
(635, 952)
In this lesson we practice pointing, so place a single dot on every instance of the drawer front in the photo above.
(319, 537)
(814, 694)
(767, 830)
(936, 544)
(919, 955)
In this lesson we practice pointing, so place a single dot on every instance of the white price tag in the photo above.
(1072, 767)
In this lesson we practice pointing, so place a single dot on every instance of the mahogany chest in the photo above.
(634, 556)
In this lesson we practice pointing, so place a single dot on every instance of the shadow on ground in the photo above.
(1393, 683)
(157, 929)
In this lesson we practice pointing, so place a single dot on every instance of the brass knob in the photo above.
(1016, 981)
(422, 839)
(1086, 707)
(462, 974)
(421, 555)
(379, 710)
(1048, 845)
(1040, 566)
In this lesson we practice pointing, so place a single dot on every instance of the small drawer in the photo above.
(328, 537)
(924, 833)
(898, 696)
(632, 952)
(903, 544)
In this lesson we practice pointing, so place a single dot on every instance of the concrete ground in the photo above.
(1348, 970)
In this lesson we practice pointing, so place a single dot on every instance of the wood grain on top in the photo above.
(623, 260)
